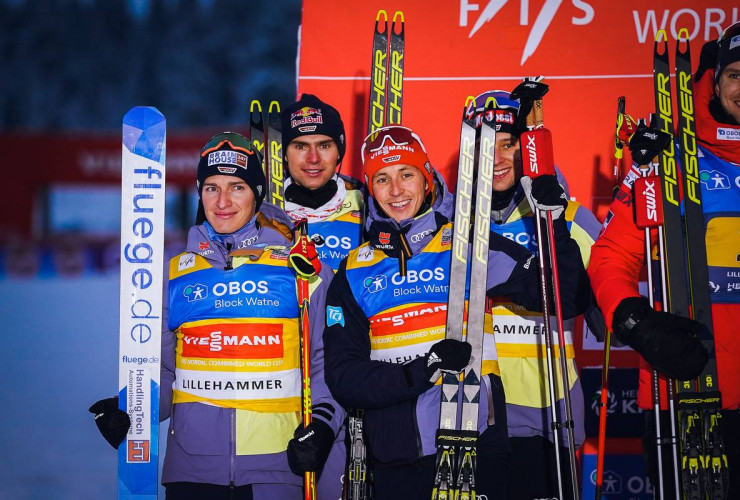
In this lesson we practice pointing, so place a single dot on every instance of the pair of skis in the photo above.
(456, 475)
(267, 137)
(703, 462)
(385, 107)
(386, 72)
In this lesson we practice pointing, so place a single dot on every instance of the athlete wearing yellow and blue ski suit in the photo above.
(230, 354)
(381, 323)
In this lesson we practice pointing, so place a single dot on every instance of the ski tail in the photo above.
(257, 129)
(142, 257)
(395, 70)
(378, 74)
(274, 157)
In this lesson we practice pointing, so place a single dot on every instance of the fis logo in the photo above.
(186, 261)
(376, 283)
(195, 292)
(541, 24)
(334, 316)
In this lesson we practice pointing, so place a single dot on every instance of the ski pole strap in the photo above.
(303, 256)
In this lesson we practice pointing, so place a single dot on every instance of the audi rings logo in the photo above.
(416, 238)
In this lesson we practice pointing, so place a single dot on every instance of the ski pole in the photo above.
(305, 262)
(619, 141)
(648, 214)
(539, 161)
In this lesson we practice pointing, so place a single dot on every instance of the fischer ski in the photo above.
(386, 74)
(703, 462)
(395, 70)
(267, 137)
(715, 473)
(385, 107)
(142, 258)
(455, 475)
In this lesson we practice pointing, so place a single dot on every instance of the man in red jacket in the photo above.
(665, 341)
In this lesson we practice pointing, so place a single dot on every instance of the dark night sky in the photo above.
(74, 64)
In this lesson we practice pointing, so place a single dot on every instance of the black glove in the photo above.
(447, 355)
(545, 193)
(113, 423)
(646, 143)
(527, 92)
(666, 341)
(310, 447)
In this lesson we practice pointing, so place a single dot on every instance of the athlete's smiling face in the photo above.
(727, 90)
(505, 174)
(312, 160)
(399, 190)
(228, 203)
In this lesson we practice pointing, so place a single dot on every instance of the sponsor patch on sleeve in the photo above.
(334, 316)
(728, 134)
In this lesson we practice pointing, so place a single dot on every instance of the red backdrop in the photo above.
(590, 52)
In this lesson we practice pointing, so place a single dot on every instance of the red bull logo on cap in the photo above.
(306, 115)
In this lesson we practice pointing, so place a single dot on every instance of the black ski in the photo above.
(395, 70)
(257, 129)
(703, 463)
(274, 157)
(385, 107)
(708, 399)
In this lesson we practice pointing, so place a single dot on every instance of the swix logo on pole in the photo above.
(537, 159)
(541, 24)
(532, 154)
(648, 209)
